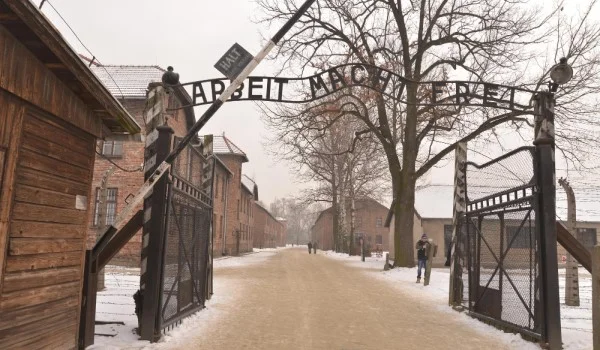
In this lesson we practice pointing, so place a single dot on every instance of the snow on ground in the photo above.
(576, 321)
(115, 303)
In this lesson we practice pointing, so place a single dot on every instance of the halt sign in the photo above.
(234, 61)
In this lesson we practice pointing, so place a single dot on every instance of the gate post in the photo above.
(546, 218)
(153, 236)
(460, 161)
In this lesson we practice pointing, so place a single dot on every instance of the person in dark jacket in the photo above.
(421, 247)
(309, 247)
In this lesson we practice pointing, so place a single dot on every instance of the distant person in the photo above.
(315, 248)
(421, 247)
(309, 247)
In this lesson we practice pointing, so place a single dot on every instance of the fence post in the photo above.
(572, 275)
(460, 160)
(153, 236)
(546, 172)
(596, 295)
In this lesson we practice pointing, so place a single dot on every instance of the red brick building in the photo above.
(233, 212)
(234, 194)
(129, 85)
(369, 217)
(269, 231)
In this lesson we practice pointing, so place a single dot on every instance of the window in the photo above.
(221, 226)
(448, 238)
(524, 239)
(379, 239)
(379, 222)
(223, 191)
(112, 148)
(214, 225)
(217, 187)
(357, 221)
(587, 236)
(108, 210)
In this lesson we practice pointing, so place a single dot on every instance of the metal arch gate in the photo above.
(184, 277)
(498, 244)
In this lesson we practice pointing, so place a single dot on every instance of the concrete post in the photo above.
(571, 276)
(460, 160)
(596, 295)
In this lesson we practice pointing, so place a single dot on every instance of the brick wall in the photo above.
(220, 183)
(236, 216)
(128, 182)
(369, 221)
(268, 232)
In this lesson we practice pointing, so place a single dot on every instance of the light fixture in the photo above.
(560, 74)
(170, 77)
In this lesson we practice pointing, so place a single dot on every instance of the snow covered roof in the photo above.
(223, 145)
(125, 81)
(436, 201)
(250, 186)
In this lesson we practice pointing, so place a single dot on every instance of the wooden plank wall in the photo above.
(40, 296)
(27, 77)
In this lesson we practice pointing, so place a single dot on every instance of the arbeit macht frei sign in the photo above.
(390, 84)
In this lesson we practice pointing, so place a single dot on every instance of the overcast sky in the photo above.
(191, 35)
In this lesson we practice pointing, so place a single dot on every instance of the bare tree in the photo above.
(484, 40)
(321, 140)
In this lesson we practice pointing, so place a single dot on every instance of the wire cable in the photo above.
(85, 47)
(117, 165)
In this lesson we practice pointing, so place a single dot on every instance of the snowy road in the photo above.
(294, 300)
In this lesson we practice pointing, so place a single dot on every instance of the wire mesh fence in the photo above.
(498, 252)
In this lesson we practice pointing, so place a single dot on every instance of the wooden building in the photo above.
(52, 111)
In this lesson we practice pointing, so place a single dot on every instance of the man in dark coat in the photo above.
(309, 247)
(421, 247)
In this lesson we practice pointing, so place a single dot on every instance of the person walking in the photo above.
(421, 247)
(309, 247)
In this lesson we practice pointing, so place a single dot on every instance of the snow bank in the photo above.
(115, 303)
(576, 321)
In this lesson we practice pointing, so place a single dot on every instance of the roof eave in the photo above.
(53, 41)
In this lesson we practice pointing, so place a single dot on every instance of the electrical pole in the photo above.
(572, 275)
(546, 222)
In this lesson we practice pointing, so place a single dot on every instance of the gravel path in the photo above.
(299, 301)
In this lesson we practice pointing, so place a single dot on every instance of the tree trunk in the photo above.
(336, 217)
(405, 195)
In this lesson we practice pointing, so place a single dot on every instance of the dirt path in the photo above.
(300, 301)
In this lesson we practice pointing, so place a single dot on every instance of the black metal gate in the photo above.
(186, 242)
(497, 247)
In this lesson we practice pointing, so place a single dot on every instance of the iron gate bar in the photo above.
(164, 252)
(178, 276)
(504, 253)
(507, 276)
(196, 208)
(479, 203)
(491, 209)
(185, 255)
